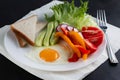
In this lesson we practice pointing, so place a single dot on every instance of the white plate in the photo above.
(18, 53)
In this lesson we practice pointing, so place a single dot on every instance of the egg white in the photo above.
(62, 48)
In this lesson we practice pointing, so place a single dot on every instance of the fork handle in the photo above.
(111, 55)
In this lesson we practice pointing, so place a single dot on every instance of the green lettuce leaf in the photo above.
(70, 14)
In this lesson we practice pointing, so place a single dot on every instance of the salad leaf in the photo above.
(69, 13)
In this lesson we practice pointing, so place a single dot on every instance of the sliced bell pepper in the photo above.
(65, 38)
(82, 49)
(84, 56)
(74, 58)
(65, 31)
(77, 38)
(84, 52)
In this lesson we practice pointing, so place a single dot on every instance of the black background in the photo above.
(12, 10)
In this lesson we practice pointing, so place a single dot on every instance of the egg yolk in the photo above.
(49, 55)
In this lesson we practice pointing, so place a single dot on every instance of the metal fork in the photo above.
(102, 22)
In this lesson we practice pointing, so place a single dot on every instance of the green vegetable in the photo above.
(40, 37)
(50, 28)
(69, 13)
(87, 21)
(53, 39)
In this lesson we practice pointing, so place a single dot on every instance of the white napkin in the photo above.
(78, 74)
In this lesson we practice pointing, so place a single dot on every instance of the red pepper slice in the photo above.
(82, 49)
(65, 31)
(74, 58)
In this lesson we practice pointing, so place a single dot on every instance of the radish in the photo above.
(65, 28)
(76, 30)
(69, 28)
(59, 28)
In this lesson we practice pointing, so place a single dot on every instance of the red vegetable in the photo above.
(69, 28)
(74, 58)
(90, 46)
(64, 30)
(82, 49)
(93, 35)
(96, 40)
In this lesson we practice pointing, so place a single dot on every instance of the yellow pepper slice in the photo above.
(77, 38)
(85, 56)
(65, 38)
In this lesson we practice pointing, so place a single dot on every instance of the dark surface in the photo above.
(12, 10)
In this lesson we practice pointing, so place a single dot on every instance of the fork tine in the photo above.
(104, 15)
(98, 17)
(102, 18)
(97, 20)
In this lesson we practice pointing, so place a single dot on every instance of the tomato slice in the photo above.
(90, 28)
(96, 40)
(93, 35)
(90, 46)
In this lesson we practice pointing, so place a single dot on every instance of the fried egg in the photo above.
(56, 54)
